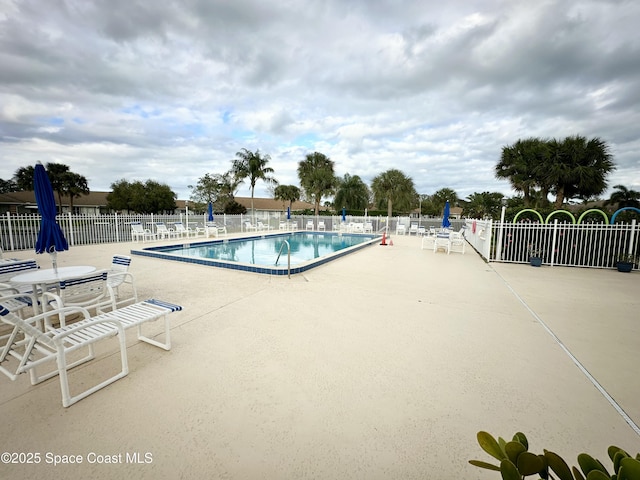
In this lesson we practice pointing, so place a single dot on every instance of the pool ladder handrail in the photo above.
(288, 256)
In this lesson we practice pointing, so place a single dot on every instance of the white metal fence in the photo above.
(19, 232)
(584, 245)
(595, 245)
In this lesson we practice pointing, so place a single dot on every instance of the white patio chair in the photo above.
(456, 242)
(28, 348)
(248, 227)
(310, 225)
(261, 226)
(182, 231)
(441, 242)
(321, 226)
(119, 276)
(163, 232)
(91, 292)
(368, 227)
(139, 232)
(400, 229)
(283, 226)
(413, 228)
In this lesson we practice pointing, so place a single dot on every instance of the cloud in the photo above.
(172, 91)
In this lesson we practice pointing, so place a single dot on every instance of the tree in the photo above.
(519, 163)
(287, 193)
(577, 168)
(219, 189)
(7, 186)
(394, 187)
(317, 177)
(252, 165)
(352, 193)
(74, 185)
(148, 197)
(484, 205)
(63, 181)
(439, 198)
(624, 197)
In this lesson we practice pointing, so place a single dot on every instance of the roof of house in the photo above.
(99, 199)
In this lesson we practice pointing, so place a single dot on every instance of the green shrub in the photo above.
(516, 462)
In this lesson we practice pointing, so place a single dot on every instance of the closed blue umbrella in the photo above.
(288, 213)
(50, 237)
(445, 215)
(344, 214)
(210, 212)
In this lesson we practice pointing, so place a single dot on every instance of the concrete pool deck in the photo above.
(381, 365)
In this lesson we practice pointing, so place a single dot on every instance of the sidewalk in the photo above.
(381, 365)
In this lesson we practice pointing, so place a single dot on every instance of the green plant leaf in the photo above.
(629, 469)
(558, 465)
(509, 471)
(588, 463)
(522, 438)
(617, 458)
(577, 474)
(513, 450)
(597, 475)
(529, 463)
(490, 445)
(481, 464)
(613, 450)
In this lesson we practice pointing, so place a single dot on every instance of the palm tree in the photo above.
(74, 185)
(352, 193)
(624, 197)
(317, 177)
(519, 164)
(439, 198)
(485, 204)
(287, 193)
(252, 165)
(394, 187)
(577, 167)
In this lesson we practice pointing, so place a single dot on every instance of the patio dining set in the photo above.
(47, 316)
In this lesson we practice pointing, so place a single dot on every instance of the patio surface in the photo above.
(380, 365)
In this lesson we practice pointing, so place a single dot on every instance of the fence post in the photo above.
(500, 236)
(71, 237)
(117, 227)
(554, 238)
(632, 237)
(10, 231)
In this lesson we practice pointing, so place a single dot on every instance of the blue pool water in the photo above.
(259, 253)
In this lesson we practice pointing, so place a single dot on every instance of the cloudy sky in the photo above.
(171, 90)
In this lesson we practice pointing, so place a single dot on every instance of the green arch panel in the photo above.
(613, 217)
(515, 219)
(606, 219)
(573, 219)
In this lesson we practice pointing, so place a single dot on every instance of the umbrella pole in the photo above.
(54, 260)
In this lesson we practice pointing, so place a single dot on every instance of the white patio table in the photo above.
(39, 279)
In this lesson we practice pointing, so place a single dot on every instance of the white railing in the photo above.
(595, 245)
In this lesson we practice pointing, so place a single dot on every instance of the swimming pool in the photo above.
(258, 254)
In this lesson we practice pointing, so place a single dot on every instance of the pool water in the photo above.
(259, 253)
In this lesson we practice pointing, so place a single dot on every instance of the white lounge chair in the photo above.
(261, 226)
(163, 232)
(400, 229)
(139, 232)
(368, 227)
(413, 228)
(249, 227)
(321, 226)
(182, 231)
(215, 230)
(310, 225)
(28, 348)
